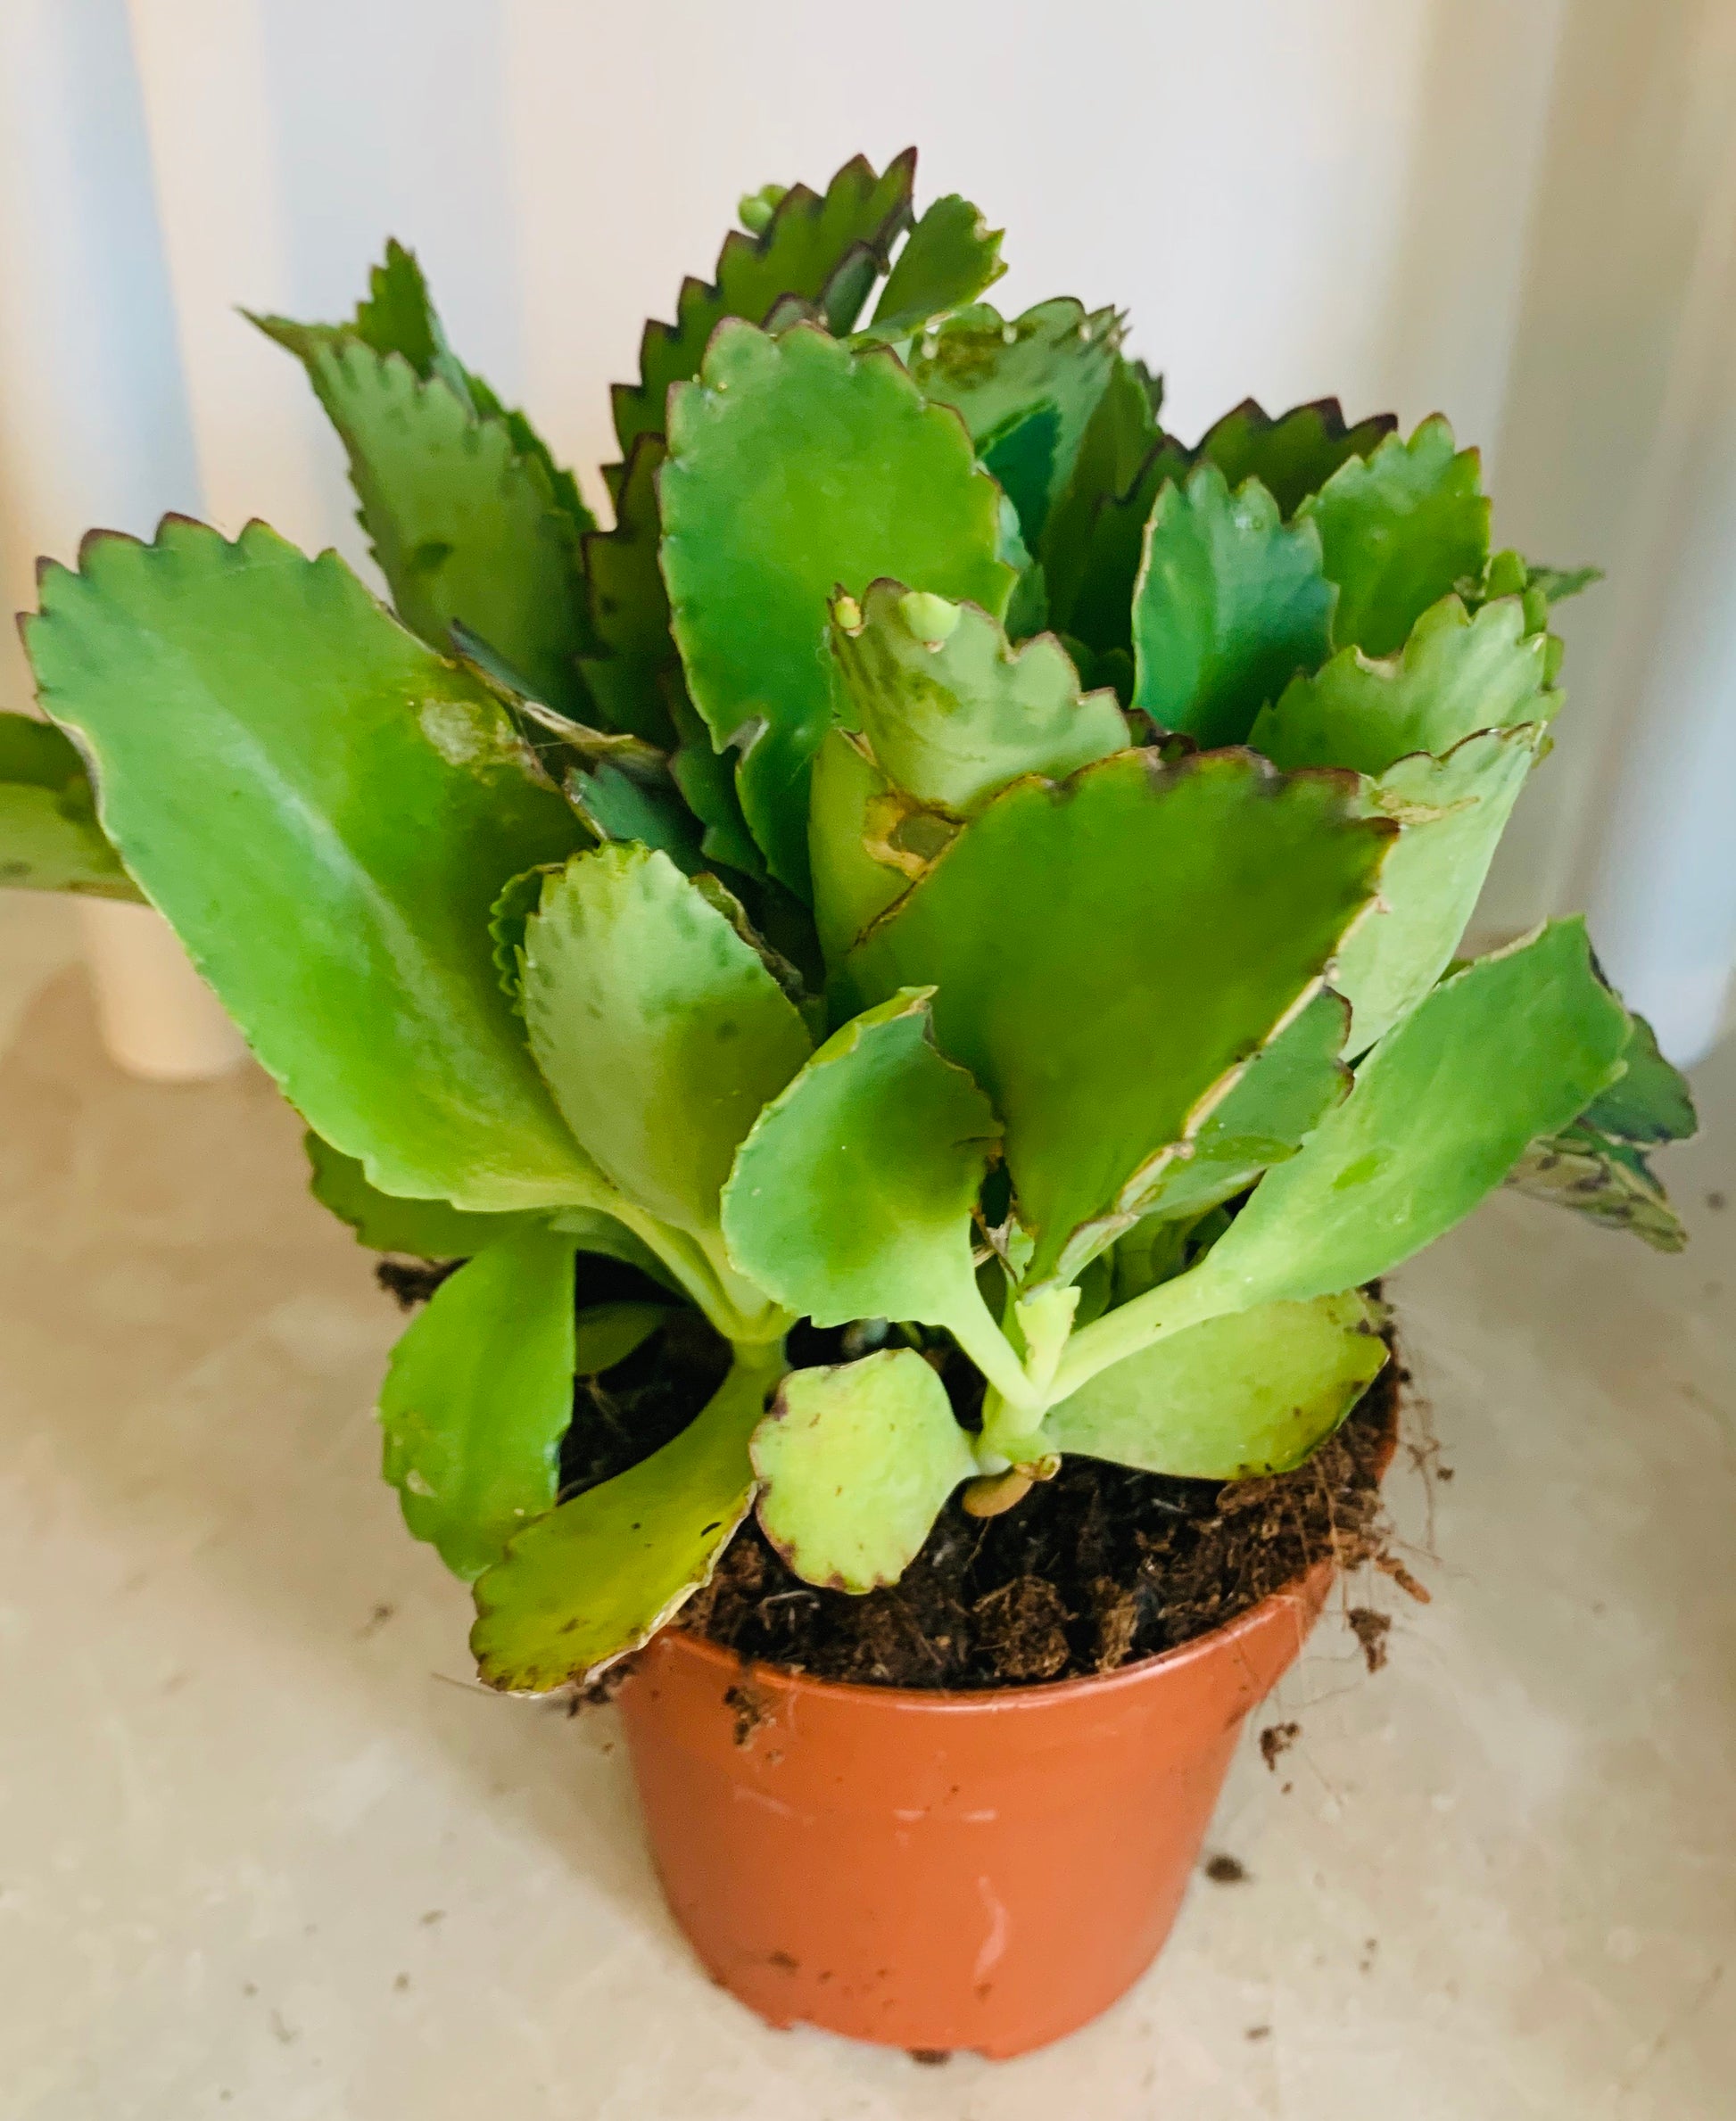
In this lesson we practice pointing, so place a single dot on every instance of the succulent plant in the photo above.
(950, 863)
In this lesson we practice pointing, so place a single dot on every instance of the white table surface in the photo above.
(266, 1852)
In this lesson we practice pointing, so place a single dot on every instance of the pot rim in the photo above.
(1310, 1588)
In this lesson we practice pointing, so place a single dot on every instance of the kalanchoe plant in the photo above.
(952, 863)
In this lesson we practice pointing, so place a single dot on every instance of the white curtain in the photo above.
(1517, 211)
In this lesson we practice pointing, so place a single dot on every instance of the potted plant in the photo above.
(916, 973)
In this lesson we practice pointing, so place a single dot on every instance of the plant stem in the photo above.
(1172, 1307)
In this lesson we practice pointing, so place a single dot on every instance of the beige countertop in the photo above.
(265, 1850)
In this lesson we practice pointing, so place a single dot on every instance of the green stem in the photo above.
(975, 1331)
(1172, 1307)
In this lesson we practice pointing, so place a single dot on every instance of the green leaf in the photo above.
(1228, 607)
(621, 808)
(851, 885)
(1514, 1046)
(1096, 1034)
(855, 1465)
(1398, 532)
(606, 1334)
(49, 837)
(629, 605)
(1650, 1101)
(1294, 455)
(659, 1028)
(246, 707)
(851, 1198)
(1249, 1394)
(390, 1222)
(952, 713)
(599, 1576)
(1101, 612)
(952, 256)
(477, 1397)
(824, 250)
(795, 466)
(1266, 1114)
(1558, 583)
(1025, 387)
(1451, 812)
(1607, 1180)
(705, 778)
(1457, 675)
(465, 525)
(1118, 437)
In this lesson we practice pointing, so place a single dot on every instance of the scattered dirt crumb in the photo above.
(1227, 1870)
(1276, 1740)
(1389, 1565)
(1443, 1473)
(434, 1916)
(1371, 1629)
(1258, 2033)
(375, 1620)
(603, 1688)
(930, 2058)
(1716, 1202)
(411, 1281)
(751, 1709)
(402, 1982)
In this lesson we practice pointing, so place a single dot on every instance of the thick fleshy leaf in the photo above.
(1558, 583)
(705, 778)
(1609, 1180)
(795, 466)
(1457, 675)
(245, 706)
(1398, 531)
(1242, 1396)
(1294, 455)
(1451, 812)
(465, 526)
(953, 255)
(606, 1334)
(1651, 1102)
(1026, 387)
(1267, 1113)
(1113, 548)
(629, 605)
(855, 1465)
(950, 710)
(852, 1196)
(1505, 1050)
(477, 1397)
(1118, 437)
(851, 885)
(660, 1030)
(1513, 1046)
(1229, 605)
(827, 250)
(599, 1576)
(389, 1223)
(1097, 1035)
(49, 837)
(621, 807)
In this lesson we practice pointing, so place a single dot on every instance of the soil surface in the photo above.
(1094, 1568)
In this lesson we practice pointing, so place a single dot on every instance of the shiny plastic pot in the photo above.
(941, 1870)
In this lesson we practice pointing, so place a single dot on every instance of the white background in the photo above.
(1516, 211)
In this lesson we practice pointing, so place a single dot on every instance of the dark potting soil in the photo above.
(1096, 1568)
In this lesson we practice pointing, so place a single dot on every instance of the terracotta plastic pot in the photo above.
(941, 1870)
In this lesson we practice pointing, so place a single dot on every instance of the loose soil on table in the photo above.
(1094, 1568)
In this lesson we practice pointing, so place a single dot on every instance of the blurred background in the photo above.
(1519, 213)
